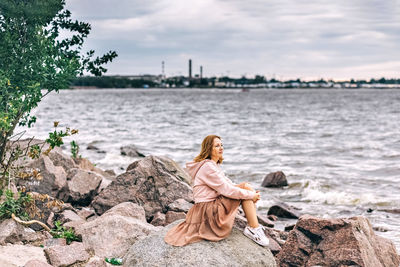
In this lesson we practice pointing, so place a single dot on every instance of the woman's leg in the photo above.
(249, 209)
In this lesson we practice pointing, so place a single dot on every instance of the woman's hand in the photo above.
(256, 197)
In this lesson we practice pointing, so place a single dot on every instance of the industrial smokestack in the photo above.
(201, 72)
(190, 69)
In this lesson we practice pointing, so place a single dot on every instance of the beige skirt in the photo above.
(211, 221)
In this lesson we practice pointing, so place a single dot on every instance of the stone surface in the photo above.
(51, 242)
(172, 216)
(68, 216)
(86, 212)
(15, 233)
(85, 164)
(60, 159)
(236, 250)
(154, 182)
(46, 209)
(180, 205)
(275, 179)
(283, 210)
(54, 178)
(131, 151)
(37, 263)
(112, 234)
(97, 262)
(336, 242)
(82, 185)
(18, 255)
(60, 256)
(263, 220)
(158, 219)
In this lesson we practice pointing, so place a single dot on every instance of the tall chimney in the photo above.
(190, 69)
(201, 72)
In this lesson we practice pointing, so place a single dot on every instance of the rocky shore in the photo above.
(126, 216)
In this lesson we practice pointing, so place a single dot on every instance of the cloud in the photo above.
(285, 37)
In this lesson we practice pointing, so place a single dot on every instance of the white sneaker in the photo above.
(257, 235)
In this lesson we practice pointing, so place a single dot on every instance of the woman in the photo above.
(217, 200)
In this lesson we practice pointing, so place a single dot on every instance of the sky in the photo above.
(283, 39)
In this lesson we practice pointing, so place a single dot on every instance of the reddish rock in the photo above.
(336, 242)
(180, 205)
(159, 219)
(37, 263)
(283, 210)
(172, 216)
(275, 179)
(86, 212)
(153, 183)
(263, 220)
(131, 151)
(81, 187)
(54, 178)
(67, 255)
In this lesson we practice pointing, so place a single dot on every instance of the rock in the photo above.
(236, 250)
(153, 183)
(51, 242)
(15, 233)
(68, 216)
(81, 187)
(60, 159)
(86, 212)
(85, 164)
(96, 262)
(18, 255)
(240, 222)
(112, 234)
(93, 146)
(159, 219)
(275, 179)
(289, 227)
(54, 178)
(336, 242)
(180, 205)
(272, 217)
(283, 210)
(172, 216)
(60, 256)
(394, 211)
(128, 209)
(37, 263)
(45, 208)
(263, 220)
(111, 172)
(131, 151)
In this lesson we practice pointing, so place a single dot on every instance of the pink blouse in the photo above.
(209, 181)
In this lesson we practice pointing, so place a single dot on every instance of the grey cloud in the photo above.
(289, 37)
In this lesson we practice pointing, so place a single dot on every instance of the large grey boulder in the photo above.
(336, 242)
(113, 233)
(153, 182)
(236, 250)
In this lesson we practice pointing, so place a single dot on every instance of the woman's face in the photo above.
(218, 150)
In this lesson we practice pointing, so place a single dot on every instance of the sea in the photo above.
(339, 148)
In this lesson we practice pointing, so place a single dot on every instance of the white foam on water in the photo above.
(314, 192)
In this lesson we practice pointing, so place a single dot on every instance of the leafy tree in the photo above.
(35, 60)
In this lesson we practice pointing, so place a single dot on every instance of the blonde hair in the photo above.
(206, 149)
